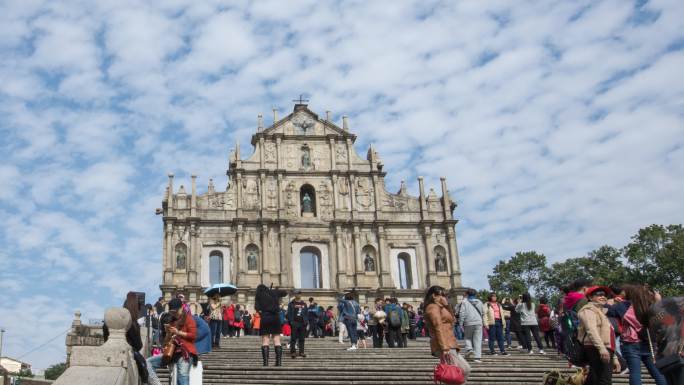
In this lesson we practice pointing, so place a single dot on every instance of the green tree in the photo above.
(604, 266)
(656, 257)
(525, 271)
(26, 373)
(54, 371)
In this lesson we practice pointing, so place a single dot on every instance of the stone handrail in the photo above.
(109, 364)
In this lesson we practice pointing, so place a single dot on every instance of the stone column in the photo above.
(352, 194)
(194, 255)
(383, 258)
(349, 154)
(261, 152)
(281, 202)
(169, 199)
(239, 254)
(265, 264)
(446, 199)
(169, 256)
(377, 199)
(341, 258)
(431, 278)
(262, 193)
(193, 197)
(278, 153)
(423, 203)
(238, 194)
(455, 273)
(285, 251)
(358, 263)
(332, 256)
(333, 159)
(334, 192)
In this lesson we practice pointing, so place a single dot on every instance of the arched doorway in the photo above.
(215, 267)
(310, 268)
(405, 276)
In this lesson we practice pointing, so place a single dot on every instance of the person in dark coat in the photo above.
(267, 303)
(297, 318)
(666, 325)
(516, 325)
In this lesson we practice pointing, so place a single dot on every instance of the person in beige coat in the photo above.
(495, 323)
(598, 337)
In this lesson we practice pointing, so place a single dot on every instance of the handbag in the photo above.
(168, 351)
(447, 373)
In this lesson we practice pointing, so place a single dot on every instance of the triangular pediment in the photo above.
(304, 122)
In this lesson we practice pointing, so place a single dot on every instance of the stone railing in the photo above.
(111, 363)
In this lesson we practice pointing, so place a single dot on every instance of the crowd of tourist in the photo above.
(607, 329)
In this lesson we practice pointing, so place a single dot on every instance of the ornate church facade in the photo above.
(305, 211)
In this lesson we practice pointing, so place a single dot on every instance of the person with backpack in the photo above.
(635, 342)
(297, 312)
(393, 312)
(349, 310)
(544, 319)
(404, 326)
(494, 321)
(470, 318)
(597, 337)
(528, 320)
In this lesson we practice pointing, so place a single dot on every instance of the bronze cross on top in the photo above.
(301, 99)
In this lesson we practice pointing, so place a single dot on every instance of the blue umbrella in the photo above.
(222, 289)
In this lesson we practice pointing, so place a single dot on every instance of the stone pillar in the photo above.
(262, 193)
(446, 199)
(241, 263)
(333, 159)
(194, 255)
(358, 263)
(349, 154)
(284, 265)
(341, 258)
(334, 192)
(168, 257)
(383, 258)
(431, 278)
(278, 153)
(423, 203)
(377, 199)
(169, 199)
(454, 265)
(281, 202)
(352, 194)
(261, 151)
(265, 263)
(332, 256)
(193, 197)
(238, 194)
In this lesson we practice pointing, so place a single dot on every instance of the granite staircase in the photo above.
(238, 362)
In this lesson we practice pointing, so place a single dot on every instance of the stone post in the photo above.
(341, 258)
(455, 275)
(383, 257)
(284, 266)
(446, 200)
(423, 203)
(358, 263)
(265, 263)
(193, 197)
(170, 197)
(429, 256)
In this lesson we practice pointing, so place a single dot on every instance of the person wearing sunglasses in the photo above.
(598, 337)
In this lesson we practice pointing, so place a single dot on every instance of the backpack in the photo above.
(326, 317)
(573, 349)
(394, 318)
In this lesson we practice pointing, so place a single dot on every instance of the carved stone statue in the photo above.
(307, 204)
(306, 158)
(369, 263)
(181, 256)
(440, 263)
(252, 261)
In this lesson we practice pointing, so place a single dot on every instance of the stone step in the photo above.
(238, 361)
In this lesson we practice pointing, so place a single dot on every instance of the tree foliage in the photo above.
(54, 371)
(655, 256)
(525, 271)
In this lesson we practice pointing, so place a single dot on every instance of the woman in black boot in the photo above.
(267, 303)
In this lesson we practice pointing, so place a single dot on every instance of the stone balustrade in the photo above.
(111, 363)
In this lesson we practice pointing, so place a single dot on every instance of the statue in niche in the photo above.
(369, 263)
(440, 263)
(344, 191)
(181, 256)
(252, 261)
(306, 157)
(307, 204)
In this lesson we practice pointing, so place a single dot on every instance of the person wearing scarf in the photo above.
(598, 337)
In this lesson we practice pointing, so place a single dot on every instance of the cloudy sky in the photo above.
(559, 125)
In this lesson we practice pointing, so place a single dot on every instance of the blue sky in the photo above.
(559, 125)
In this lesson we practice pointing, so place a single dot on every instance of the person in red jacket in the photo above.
(544, 317)
(183, 331)
(229, 320)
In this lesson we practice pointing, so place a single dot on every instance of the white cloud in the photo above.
(559, 128)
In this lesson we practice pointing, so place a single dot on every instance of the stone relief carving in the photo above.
(307, 163)
(251, 196)
(325, 200)
(252, 258)
(291, 199)
(272, 197)
(440, 261)
(369, 263)
(344, 194)
(270, 152)
(304, 124)
(364, 196)
(341, 153)
(181, 256)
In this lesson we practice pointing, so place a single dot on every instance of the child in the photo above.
(362, 330)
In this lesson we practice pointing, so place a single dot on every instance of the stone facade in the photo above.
(305, 211)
